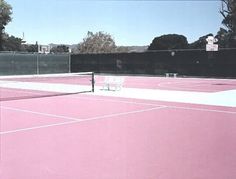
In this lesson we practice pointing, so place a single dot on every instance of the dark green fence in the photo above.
(184, 62)
(24, 63)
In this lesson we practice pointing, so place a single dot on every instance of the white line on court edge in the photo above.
(167, 106)
(37, 127)
(74, 119)
(202, 109)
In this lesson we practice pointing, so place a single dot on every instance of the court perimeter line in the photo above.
(36, 127)
(202, 109)
(167, 106)
(40, 113)
(74, 119)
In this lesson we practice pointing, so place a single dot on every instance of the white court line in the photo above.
(151, 104)
(202, 109)
(37, 127)
(74, 119)
(39, 113)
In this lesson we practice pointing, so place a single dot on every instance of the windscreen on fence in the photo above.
(186, 62)
(12, 63)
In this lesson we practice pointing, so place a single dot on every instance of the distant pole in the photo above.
(69, 62)
(23, 38)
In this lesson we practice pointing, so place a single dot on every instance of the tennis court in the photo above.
(153, 128)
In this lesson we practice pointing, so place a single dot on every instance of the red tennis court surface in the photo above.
(87, 136)
(183, 84)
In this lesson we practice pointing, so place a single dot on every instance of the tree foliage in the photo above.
(200, 43)
(60, 49)
(30, 47)
(223, 38)
(99, 42)
(228, 11)
(5, 18)
(170, 41)
(11, 43)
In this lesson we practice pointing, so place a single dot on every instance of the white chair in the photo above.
(119, 81)
(113, 83)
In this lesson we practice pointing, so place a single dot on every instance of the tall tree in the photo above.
(99, 42)
(5, 18)
(228, 11)
(167, 42)
(11, 43)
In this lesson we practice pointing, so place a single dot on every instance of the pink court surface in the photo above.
(187, 132)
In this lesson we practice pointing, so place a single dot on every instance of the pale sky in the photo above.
(129, 22)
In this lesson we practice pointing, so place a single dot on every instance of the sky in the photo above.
(132, 22)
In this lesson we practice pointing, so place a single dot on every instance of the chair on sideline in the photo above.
(113, 83)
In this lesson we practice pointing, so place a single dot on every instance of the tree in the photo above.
(5, 18)
(228, 11)
(30, 47)
(223, 38)
(60, 49)
(11, 43)
(99, 42)
(200, 43)
(170, 41)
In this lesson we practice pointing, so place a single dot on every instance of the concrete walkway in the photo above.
(224, 98)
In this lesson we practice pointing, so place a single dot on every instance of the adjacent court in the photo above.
(152, 128)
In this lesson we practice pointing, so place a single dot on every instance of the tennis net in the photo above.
(35, 86)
